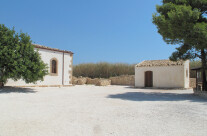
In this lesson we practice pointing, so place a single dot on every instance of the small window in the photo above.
(54, 66)
(186, 73)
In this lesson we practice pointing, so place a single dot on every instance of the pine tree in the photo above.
(184, 23)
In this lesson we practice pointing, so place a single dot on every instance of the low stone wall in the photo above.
(123, 80)
(120, 80)
(103, 82)
(79, 81)
(74, 80)
(92, 81)
(193, 82)
(200, 93)
(96, 81)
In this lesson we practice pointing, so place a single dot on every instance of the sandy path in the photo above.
(101, 111)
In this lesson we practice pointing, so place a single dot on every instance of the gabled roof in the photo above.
(52, 49)
(152, 63)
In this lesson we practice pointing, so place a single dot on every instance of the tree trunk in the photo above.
(203, 58)
(1, 79)
(1, 84)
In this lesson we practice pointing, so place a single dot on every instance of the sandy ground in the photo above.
(101, 111)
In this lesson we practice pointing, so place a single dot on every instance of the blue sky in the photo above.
(95, 30)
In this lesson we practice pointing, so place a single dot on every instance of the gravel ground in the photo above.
(101, 111)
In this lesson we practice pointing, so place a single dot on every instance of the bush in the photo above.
(18, 58)
(103, 70)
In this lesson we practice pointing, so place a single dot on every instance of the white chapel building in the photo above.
(162, 74)
(59, 63)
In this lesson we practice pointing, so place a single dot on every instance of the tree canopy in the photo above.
(18, 59)
(184, 23)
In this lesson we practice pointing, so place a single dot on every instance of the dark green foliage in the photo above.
(184, 22)
(18, 60)
(102, 70)
(194, 64)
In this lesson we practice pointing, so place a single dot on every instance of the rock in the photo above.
(74, 80)
(103, 82)
(92, 81)
(81, 81)
(86, 80)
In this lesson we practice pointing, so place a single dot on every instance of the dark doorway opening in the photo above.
(148, 79)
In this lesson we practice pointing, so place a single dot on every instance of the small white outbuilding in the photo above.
(162, 74)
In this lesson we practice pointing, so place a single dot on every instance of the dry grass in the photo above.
(102, 70)
(107, 70)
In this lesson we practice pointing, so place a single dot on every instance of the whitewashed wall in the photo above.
(164, 76)
(50, 80)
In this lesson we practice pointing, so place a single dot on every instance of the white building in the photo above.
(60, 68)
(162, 74)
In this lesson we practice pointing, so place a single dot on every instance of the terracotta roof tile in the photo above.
(53, 49)
(152, 63)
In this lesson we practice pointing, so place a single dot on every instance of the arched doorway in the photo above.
(148, 79)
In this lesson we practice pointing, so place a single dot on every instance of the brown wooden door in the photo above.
(148, 79)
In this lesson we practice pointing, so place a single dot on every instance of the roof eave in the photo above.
(52, 49)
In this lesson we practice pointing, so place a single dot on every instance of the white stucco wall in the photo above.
(50, 80)
(164, 76)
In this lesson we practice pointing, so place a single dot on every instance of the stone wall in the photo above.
(120, 80)
(74, 80)
(79, 80)
(193, 82)
(123, 80)
(103, 82)
(86, 80)
(92, 81)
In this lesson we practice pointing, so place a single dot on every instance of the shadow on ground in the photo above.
(153, 88)
(156, 96)
(16, 90)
